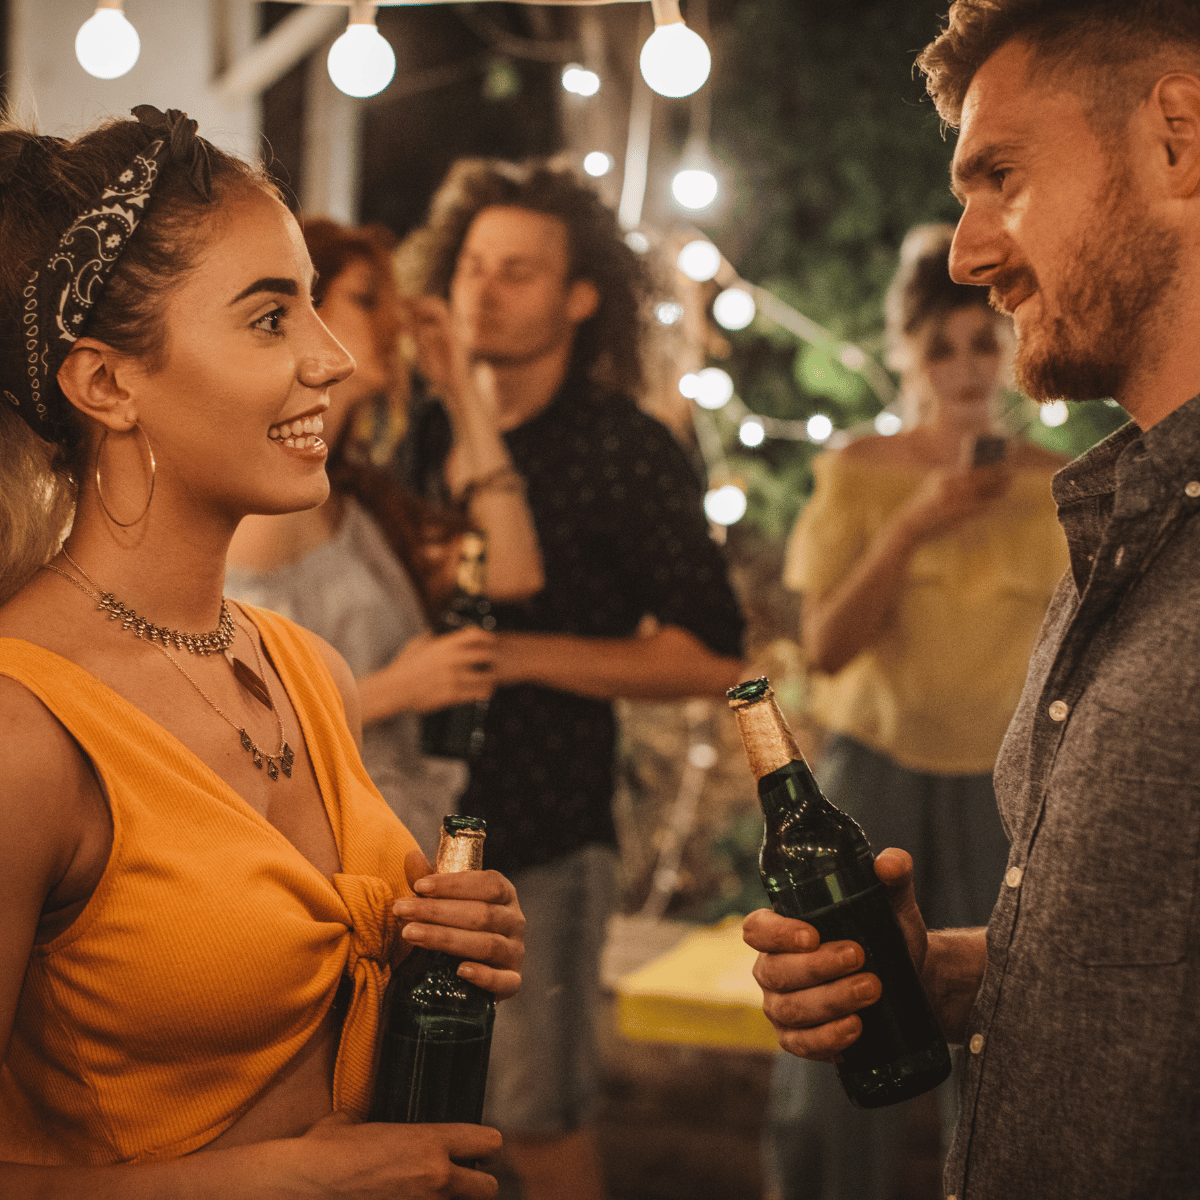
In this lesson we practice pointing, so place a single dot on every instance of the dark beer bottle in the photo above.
(817, 865)
(457, 732)
(436, 1028)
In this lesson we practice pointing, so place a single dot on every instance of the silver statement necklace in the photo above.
(219, 639)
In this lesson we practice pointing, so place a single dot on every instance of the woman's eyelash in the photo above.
(269, 322)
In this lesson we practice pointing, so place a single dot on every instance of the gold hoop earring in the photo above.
(100, 489)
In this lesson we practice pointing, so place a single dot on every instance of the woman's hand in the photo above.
(338, 1157)
(431, 673)
(947, 498)
(466, 389)
(473, 915)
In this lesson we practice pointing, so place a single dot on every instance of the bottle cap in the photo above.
(461, 846)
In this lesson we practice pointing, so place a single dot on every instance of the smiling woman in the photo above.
(198, 878)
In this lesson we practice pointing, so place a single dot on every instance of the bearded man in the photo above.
(1078, 167)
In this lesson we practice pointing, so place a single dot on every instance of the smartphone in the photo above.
(987, 449)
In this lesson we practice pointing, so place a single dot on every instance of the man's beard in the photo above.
(1123, 272)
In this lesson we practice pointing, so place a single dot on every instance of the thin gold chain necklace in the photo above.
(218, 641)
(257, 685)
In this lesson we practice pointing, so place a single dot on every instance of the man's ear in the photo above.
(583, 298)
(92, 379)
(1174, 106)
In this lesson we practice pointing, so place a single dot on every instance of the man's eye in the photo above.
(999, 175)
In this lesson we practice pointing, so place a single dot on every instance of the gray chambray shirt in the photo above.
(1082, 1070)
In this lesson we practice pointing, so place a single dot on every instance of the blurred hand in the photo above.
(473, 915)
(948, 498)
(446, 363)
(338, 1157)
(812, 989)
(435, 672)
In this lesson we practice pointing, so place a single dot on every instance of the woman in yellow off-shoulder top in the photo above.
(924, 580)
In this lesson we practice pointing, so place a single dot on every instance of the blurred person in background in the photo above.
(543, 289)
(924, 580)
(365, 568)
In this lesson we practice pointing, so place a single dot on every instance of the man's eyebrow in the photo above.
(964, 171)
(269, 283)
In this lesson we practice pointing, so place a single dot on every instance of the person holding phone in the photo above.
(925, 562)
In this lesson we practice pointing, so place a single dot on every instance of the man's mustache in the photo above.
(1010, 287)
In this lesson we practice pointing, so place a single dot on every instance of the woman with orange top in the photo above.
(203, 892)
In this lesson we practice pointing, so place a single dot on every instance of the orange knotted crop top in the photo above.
(212, 948)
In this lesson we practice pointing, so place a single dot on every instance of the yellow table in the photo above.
(700, 993)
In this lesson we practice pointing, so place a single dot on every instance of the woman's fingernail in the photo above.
(413, 933)
(467, 971)
(404, 908)
(423, 885)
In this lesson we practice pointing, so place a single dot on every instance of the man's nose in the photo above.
(975, 254)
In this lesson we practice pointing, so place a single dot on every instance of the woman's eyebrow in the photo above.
(269, 283)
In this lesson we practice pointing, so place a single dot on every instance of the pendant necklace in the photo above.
(220, 639)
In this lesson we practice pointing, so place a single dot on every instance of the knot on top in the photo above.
(373, 928)
(184, 145)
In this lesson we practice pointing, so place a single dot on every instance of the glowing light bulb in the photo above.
(1054, 413)
(819, 427)
(361, 63)
(637, 241)
(675, 61)
(887, 423)
(714, 388)
(699, 260)
(667, 312)
(734, 308)
(694, 188)
(107, 45)
(725, 505)
(579, 80)
(751, 432)
(689, 385)
(597, 163)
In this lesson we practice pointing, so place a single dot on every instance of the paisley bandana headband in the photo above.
(59, 298)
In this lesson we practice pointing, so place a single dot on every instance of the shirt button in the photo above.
(977, 1043)
(1058, 710)
(1192, 488)
(1013, 876)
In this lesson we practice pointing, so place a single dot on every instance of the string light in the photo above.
(714, 388)
(597, 163)
(689, 385)
(668, 312)
(819, 427)
(699, 260)
(733, 308)
(579, 81)
(725, 505)
(674, 61)
(694, 188)
(107, 45)
(751, 432)
(1054, 413)
(637, 241)
(361, 63)
(887, 423)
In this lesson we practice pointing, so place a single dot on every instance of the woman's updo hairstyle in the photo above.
(923, 290)
(46, 183)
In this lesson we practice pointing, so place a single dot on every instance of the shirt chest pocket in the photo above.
(1112, 870)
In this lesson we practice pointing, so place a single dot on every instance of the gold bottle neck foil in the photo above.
(471, 575)
(765, 734)
(461, 851)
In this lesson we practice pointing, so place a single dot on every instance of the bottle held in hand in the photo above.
(457, 732)
(436, 1028)
(817, 865)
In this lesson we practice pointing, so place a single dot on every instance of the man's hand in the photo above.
(812, 990)
(473, 915)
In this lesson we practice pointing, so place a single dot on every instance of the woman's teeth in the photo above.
(300, 434)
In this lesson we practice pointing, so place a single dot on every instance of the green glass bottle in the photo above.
(436, 1027)
(457, 732)
(817, 865)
